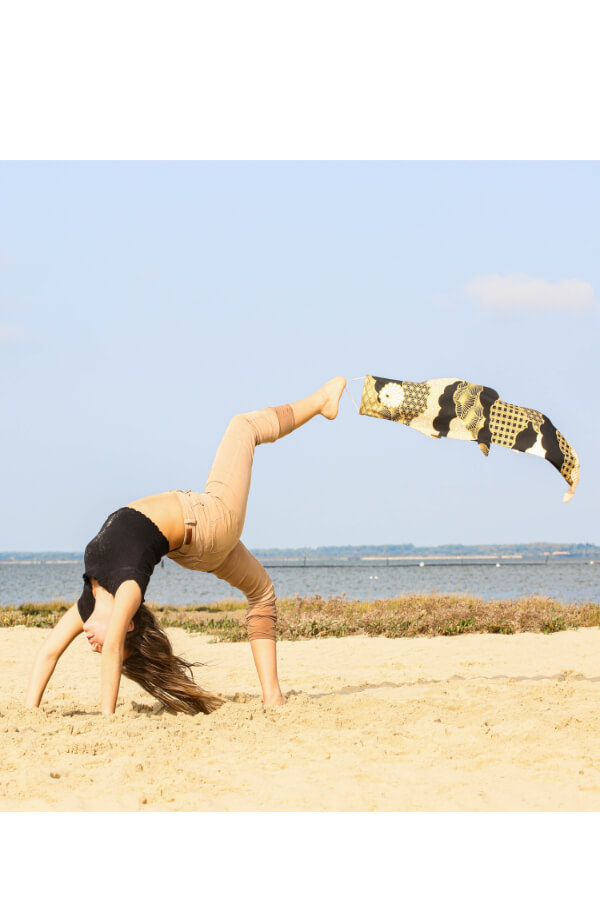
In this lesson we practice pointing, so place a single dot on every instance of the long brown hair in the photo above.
(153, 665)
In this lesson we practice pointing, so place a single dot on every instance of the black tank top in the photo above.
(127, 548)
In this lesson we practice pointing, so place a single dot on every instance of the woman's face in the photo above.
(96, 627)
(95, 631)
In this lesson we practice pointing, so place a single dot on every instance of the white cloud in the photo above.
(8, 334)
(522, 292)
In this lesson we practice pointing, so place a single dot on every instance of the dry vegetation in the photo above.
(308, 617)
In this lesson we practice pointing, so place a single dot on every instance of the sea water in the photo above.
(567, 581)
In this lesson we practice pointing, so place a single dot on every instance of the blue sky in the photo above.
(143, 304)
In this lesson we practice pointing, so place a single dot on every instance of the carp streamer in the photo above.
(447, 407)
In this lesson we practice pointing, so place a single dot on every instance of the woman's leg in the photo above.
(230, 474)
(243, 571)
(324, 402)
(229, 480)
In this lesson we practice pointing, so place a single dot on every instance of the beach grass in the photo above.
(413, 615)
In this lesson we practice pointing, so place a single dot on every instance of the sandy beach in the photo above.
(482, 722)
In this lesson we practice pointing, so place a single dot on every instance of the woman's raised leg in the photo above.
(230, 474)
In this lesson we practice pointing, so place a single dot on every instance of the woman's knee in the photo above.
(240, 421)
(259, 588)
(261, 425)
(261, 618)
(243, 426)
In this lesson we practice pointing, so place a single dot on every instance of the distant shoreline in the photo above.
(376, 553)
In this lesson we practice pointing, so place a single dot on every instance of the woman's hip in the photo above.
(211, 530)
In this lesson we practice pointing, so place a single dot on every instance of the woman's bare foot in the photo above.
(275, 699)
(325, 402)
(331, 393)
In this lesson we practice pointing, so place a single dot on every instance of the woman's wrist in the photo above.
(110, 677)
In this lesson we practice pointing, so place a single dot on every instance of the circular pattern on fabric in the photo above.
(392, 395)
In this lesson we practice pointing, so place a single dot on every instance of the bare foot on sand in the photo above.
(331, 393)
(274, 700)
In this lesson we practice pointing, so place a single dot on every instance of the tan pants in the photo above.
(214, 520)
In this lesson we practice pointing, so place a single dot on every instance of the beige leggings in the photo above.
(214, 520)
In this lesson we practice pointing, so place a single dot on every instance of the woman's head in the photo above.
(150, 661)
(95, 629)
(96, 625)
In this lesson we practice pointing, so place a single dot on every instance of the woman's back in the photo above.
(165, 511)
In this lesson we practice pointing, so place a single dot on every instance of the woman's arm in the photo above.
(66, 629)
(127, 603)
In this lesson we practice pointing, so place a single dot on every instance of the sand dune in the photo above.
(474, 722)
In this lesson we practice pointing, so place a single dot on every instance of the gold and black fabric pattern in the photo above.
(400, 401)
(449, 407)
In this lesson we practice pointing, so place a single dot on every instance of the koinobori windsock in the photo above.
(449, 407)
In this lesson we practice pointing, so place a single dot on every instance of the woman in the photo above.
(199, 531)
